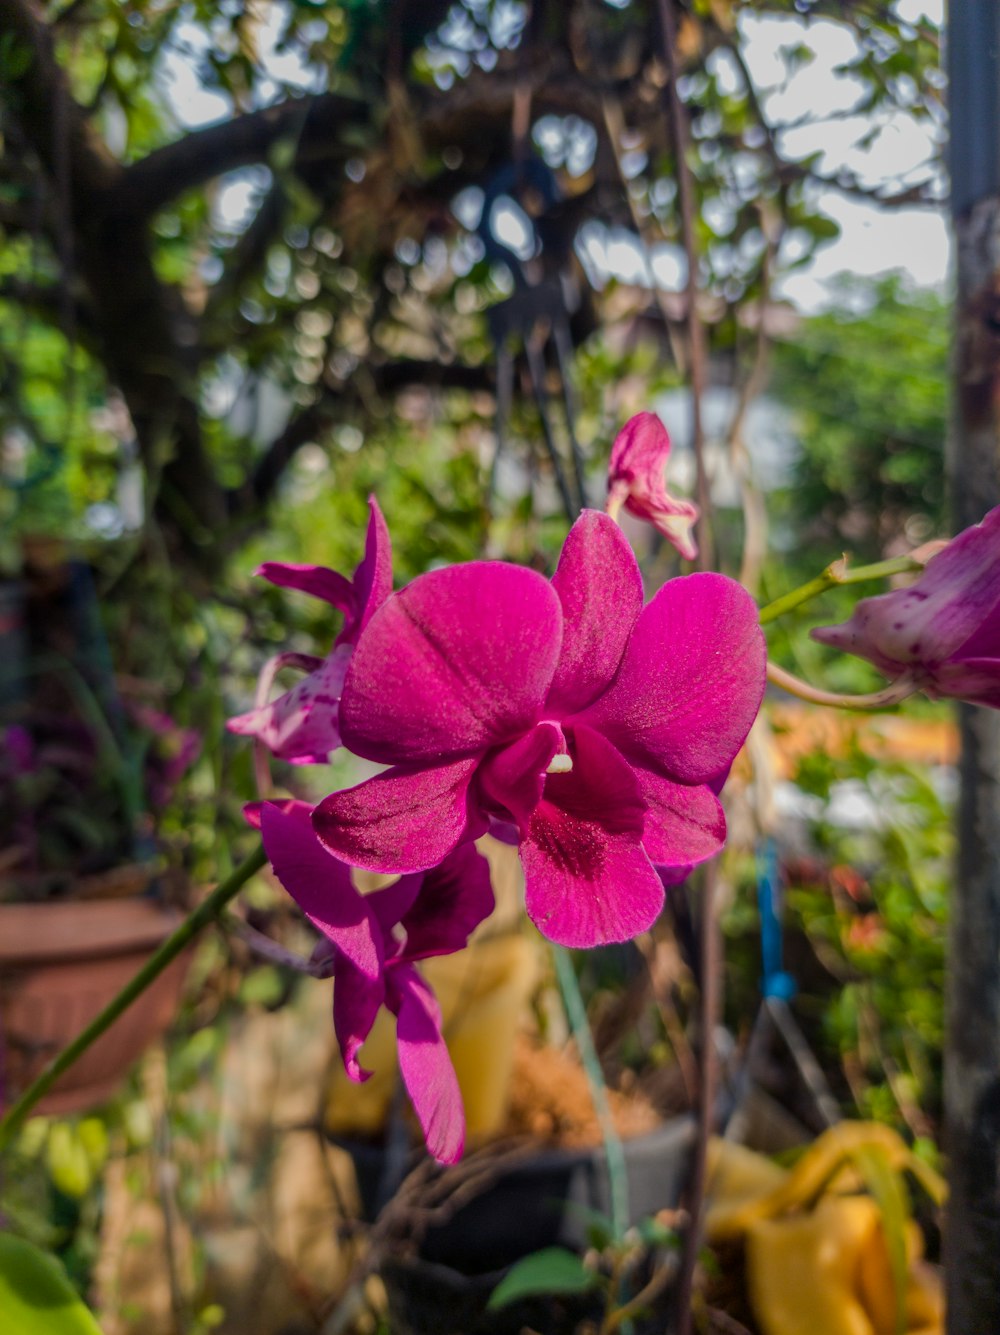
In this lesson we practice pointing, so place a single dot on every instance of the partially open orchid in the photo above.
(594, 724)
(637, 480)
(942, 633)
(375, 940)
(301, 725)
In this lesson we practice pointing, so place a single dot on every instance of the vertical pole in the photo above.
(972, 1057)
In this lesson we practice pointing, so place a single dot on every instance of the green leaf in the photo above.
(552, 1270)
(69, 1163)
(655, 1233)
(600, 1230)
(282, 154)
(36, 1298)
(886, 1186)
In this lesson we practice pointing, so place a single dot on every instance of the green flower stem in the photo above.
(207, 911)
(837, 573)
(576, 1013)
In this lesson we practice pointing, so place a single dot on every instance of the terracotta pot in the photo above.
(60, 964)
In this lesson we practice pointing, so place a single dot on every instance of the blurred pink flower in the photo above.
(375, 941)
(943, 631)
(301, 725)
(594, 724)
(637, 480)
(171, 752)
(17, 755)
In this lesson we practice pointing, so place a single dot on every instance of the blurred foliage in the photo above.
(316, 306)
(867, 383)
(283, 271)
(867, 890)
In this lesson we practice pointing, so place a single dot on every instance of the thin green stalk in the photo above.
(836, 573)
(576, 1012)
(207, 911)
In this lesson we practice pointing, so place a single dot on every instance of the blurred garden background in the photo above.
(262, 260)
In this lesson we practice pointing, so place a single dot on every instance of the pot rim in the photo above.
(32, 934)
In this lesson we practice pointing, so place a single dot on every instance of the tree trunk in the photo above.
(972, 1057)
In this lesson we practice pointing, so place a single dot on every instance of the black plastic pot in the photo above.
(543, 1201)
(429, 1299)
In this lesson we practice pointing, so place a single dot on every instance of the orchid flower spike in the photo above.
(598, 727)
(637, 480)
(376, 939)
(943, 631)
(301, 726)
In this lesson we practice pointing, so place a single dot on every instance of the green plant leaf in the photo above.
(886, 1186)
(36, 1298)
(552, 1270)
(599, 1229)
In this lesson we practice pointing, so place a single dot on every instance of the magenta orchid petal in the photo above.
(691, 682)
(684, 824)
(392, 902)
(600, 589)
(253, 811)
(356, 1002)
(855, 636)
(426, 1067)
(671, 876)
(405, 820)
(456, 896)
(512, 778)
(458, 661)
(301, 726)
(588, 880)
(317, 581)
(984, 642)
(373, 578)
(637, 478)
(952, 612)
(942, 633)
(504, 831)
(974, 679)
(321, 886)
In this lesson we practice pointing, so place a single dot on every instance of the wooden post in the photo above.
(972, 1057)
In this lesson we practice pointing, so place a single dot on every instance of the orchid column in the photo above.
(972, 1059)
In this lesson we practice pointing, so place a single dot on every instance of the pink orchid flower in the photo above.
(637, 480)
(375, 940)
(943, 631)
(301, 725)
(594, 724)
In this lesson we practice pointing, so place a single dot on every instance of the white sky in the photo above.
(872, 240)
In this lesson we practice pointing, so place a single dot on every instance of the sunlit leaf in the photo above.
(36, 1298)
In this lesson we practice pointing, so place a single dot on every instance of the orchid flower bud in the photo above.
(943, 631)
(636, 479)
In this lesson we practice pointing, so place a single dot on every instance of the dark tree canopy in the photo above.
(355, 275)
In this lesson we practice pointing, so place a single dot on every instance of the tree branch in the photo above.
(315, 420)
(201, 155)
(40, 92)
(49, 302)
